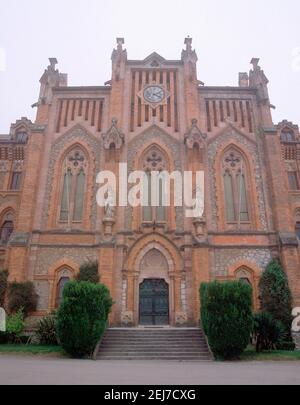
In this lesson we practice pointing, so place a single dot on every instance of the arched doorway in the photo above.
(154, 303)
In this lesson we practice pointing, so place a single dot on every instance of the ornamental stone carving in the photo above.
(194, 136)
(113, 137)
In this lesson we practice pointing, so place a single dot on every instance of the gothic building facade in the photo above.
(152, 114)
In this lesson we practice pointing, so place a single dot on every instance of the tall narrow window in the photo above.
(297, 229)
(147, 210)
(60, 290)
(73, 187)
(229, 198)
(154, 161)
(15, 183)
(242, 203)
(235, 188)
(293, 181)
(287, 136)
(79, 196)
(65, 201)
(6, 232)
(161, 209)
(21, 137)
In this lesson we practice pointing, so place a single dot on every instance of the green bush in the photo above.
(89, 272)
(4, 338)
(46, 331)
(269, 333)
(204, 317)
(275, 295)
(15, 326)
(227, 318)
(3, 286)
(82, 317)
(287, 346)
(22, 295)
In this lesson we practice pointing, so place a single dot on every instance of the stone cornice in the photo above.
(75, 89)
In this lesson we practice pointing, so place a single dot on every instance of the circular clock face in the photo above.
(154, 94)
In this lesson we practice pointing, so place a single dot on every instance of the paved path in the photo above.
(37, 371)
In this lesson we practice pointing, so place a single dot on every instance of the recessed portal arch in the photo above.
(154, 258)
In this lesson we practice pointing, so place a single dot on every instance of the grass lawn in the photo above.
(31, 349)
(251, 355)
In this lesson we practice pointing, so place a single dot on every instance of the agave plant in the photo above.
(268, 332)
(46, 332)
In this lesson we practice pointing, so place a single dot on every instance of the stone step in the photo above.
(154, 344)
(156, 358)
(153, 350)
(150, 346)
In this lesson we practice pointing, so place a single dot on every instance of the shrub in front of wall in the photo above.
(46, 331)
(269, 333)
(82, 317)
(275, 295)
(89, 271)
(15, 326)
(22, 295)
(3, 286)
(204, 315)
(226, 309)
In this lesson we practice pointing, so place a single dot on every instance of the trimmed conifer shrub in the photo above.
(82, 317)
(275, 295)
(89, 271)
(227, 319)
(22, 295)
(3, 286)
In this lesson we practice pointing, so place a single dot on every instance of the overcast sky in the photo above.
(81, 34)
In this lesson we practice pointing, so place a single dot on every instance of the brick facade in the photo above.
(195, 128)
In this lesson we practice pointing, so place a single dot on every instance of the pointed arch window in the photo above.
(73, 187)
(154, 161)
(287, 136)
(63, 281)
(7, 228)
(235, 188)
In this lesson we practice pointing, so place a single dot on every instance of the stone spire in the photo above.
(51, 78)
(188, 54)
(258, 80)
(119, 58)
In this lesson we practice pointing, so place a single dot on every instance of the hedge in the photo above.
(226, 316)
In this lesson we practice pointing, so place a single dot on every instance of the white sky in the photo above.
(81, 34)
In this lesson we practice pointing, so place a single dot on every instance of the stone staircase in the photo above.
(154, 344)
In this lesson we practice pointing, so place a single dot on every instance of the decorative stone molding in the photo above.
(181, 319)
(199, 224)
(19, 239)
(154, 160)
(214, 148)
(18, 166)
(3, 166)
(113, 136)
(48, 257)
(154, 134)
(194, 136)
(224, 259)
(127, 319)
(77, 134)
(288, 239)
(287, 124)
(27, 125)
